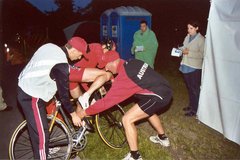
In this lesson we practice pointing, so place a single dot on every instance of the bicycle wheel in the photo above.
(60, 142)
(110, 128)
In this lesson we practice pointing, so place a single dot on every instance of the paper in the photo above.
(176, 52)
(139, 48)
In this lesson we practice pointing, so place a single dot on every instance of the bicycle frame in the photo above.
(66, 120)
(60, 110)
(88, 123)
(71, 139)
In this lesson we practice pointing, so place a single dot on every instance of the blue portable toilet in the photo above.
(125, 21)
(105, 28)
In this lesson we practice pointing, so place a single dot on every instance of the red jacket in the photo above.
(134, 77)
(92, 58)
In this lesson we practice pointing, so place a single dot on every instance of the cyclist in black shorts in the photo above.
(135, 78)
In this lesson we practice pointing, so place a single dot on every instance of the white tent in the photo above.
(219, 104)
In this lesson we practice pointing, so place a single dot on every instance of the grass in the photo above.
(189, 138)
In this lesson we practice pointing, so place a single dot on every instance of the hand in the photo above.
(185, 51)
(76, 119)
(81, 113)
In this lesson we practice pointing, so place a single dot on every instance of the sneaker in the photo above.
(84, 100)
(164, 142)
(129, 157)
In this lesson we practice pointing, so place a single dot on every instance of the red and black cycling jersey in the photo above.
(134, 77)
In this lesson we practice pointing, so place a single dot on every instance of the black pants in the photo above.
(35, 113)
(193, 82)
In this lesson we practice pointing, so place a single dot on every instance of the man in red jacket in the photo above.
(135, 78)
(90, 70)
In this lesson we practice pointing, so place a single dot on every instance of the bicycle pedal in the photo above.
(87, 132)
(88, 124)
(88, 127)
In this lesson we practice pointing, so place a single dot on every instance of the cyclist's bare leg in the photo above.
(97, 76)
(133, 115)
(76, 92)
(156, 123)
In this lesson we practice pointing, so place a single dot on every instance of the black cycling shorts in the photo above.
(151, 104)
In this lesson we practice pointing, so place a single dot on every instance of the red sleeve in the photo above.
(122, 88)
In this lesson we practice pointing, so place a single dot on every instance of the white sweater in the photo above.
(194, 58)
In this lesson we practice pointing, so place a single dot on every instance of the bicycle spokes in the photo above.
(110, 127)
(60, 142)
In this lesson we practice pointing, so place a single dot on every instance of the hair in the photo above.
(194, 23)
(68, 46)
(143, 21)
(108, 42)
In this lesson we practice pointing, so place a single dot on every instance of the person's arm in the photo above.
(122, 88)
(134, 43)
(155, 42)
(151, 45)
(185, 42)
(99, 81)
(197, 54)
(60, 73)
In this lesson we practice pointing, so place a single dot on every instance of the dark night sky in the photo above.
(166, 15)
(169, 19)
(49, 5)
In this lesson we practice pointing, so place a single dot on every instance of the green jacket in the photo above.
(150, 44)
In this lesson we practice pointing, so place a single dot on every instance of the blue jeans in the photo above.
(193, 82)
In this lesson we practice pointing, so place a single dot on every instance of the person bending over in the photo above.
(46, 73)
(89, 69)
(135, 78)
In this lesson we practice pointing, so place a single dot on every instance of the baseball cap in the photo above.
(107, 57)
(79, 44)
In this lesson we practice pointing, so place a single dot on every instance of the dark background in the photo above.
(169, 21)
(169, 17)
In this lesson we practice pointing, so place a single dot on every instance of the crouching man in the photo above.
(135, 78)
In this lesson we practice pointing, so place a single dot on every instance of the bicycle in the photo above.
(65, 139)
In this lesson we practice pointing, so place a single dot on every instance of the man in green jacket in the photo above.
(145, 44)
